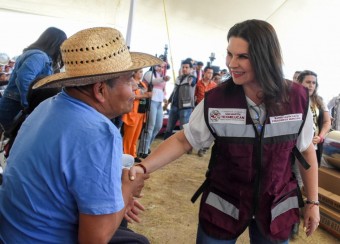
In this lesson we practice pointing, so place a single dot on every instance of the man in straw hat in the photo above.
(64, 181)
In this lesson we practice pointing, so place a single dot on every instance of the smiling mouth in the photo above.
(237, 74)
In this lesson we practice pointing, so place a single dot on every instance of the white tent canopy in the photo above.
(307, 29)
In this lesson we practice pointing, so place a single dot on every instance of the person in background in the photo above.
(321, 117)
(202, 87)
(154, 119)
(182, 99)
(37, 59)
(133, 121)
(334, 106)
(11, 64)
(217, 78)
(4, 60)
(254, 119)
(296, 75)
(321, 123)
(199, 71)
(224, 72)
(72, 174)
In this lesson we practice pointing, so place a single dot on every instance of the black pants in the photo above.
(124, 235)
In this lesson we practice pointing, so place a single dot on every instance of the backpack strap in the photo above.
(205, 184)
(301, 159)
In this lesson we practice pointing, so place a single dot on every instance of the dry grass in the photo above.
(171, 218)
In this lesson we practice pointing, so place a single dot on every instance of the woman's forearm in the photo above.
(168, 151)
(310, 176)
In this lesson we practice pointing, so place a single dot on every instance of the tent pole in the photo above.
(129, 27)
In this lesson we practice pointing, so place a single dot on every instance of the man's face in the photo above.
(208, 74)
(186, 70)
(120, 97)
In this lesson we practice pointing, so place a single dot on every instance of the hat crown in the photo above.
(94, 55)
(95, 51)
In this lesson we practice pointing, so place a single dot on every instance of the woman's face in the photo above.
(310, 83)
(138, 75)
(238, 61)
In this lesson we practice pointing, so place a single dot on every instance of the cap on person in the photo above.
(4, 59)
(94, 55)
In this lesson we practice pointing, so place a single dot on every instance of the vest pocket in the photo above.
(284, 211)
(220, 211)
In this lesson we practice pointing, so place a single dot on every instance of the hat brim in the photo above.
(139, 60)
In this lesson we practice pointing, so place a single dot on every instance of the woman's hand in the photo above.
(133, 185)
(317, 140)
(148, 94)
(311, 218)
(134, 170)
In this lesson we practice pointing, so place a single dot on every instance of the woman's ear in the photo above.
(100, 90)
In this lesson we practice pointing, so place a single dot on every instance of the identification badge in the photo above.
(227, 115)
(285, 118)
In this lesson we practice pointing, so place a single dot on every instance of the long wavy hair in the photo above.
(315, 99)
(49, 42)
(266, 58)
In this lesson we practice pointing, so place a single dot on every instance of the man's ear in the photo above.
(99, 90)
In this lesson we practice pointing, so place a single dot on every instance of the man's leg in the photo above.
(173, 117)
(184, 115)
(124, 235)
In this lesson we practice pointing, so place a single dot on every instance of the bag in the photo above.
(143, 105)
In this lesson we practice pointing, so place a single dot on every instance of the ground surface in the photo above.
(171, 218)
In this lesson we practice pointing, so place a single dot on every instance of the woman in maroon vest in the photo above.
(256, 120)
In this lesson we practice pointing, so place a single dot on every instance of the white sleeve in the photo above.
(325, 108)
(148, 77)
(199, 136)
(196, 131)
(307, 133)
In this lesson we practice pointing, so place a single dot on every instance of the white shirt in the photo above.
(199, 136)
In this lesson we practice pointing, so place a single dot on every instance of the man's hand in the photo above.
(133, 210)
(135, 185)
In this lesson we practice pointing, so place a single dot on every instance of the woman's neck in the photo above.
(254, 92)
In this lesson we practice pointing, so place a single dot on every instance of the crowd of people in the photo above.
(6, 68)
(65, 179)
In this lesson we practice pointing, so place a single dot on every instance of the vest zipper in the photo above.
(259, 149)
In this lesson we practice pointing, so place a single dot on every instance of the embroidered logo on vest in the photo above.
(227, 115)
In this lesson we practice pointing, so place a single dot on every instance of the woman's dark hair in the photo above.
(316, 100)
(266, 59)
(49, 42)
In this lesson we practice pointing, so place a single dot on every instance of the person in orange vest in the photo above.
(133, 121)
(204, 85)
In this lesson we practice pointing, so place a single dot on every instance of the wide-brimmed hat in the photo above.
(94, 55)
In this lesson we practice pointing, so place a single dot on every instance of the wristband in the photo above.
(142, 166)
(317, 203)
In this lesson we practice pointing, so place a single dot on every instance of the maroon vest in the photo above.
(251, 176)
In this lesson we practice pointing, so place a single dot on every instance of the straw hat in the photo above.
(94, 55)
